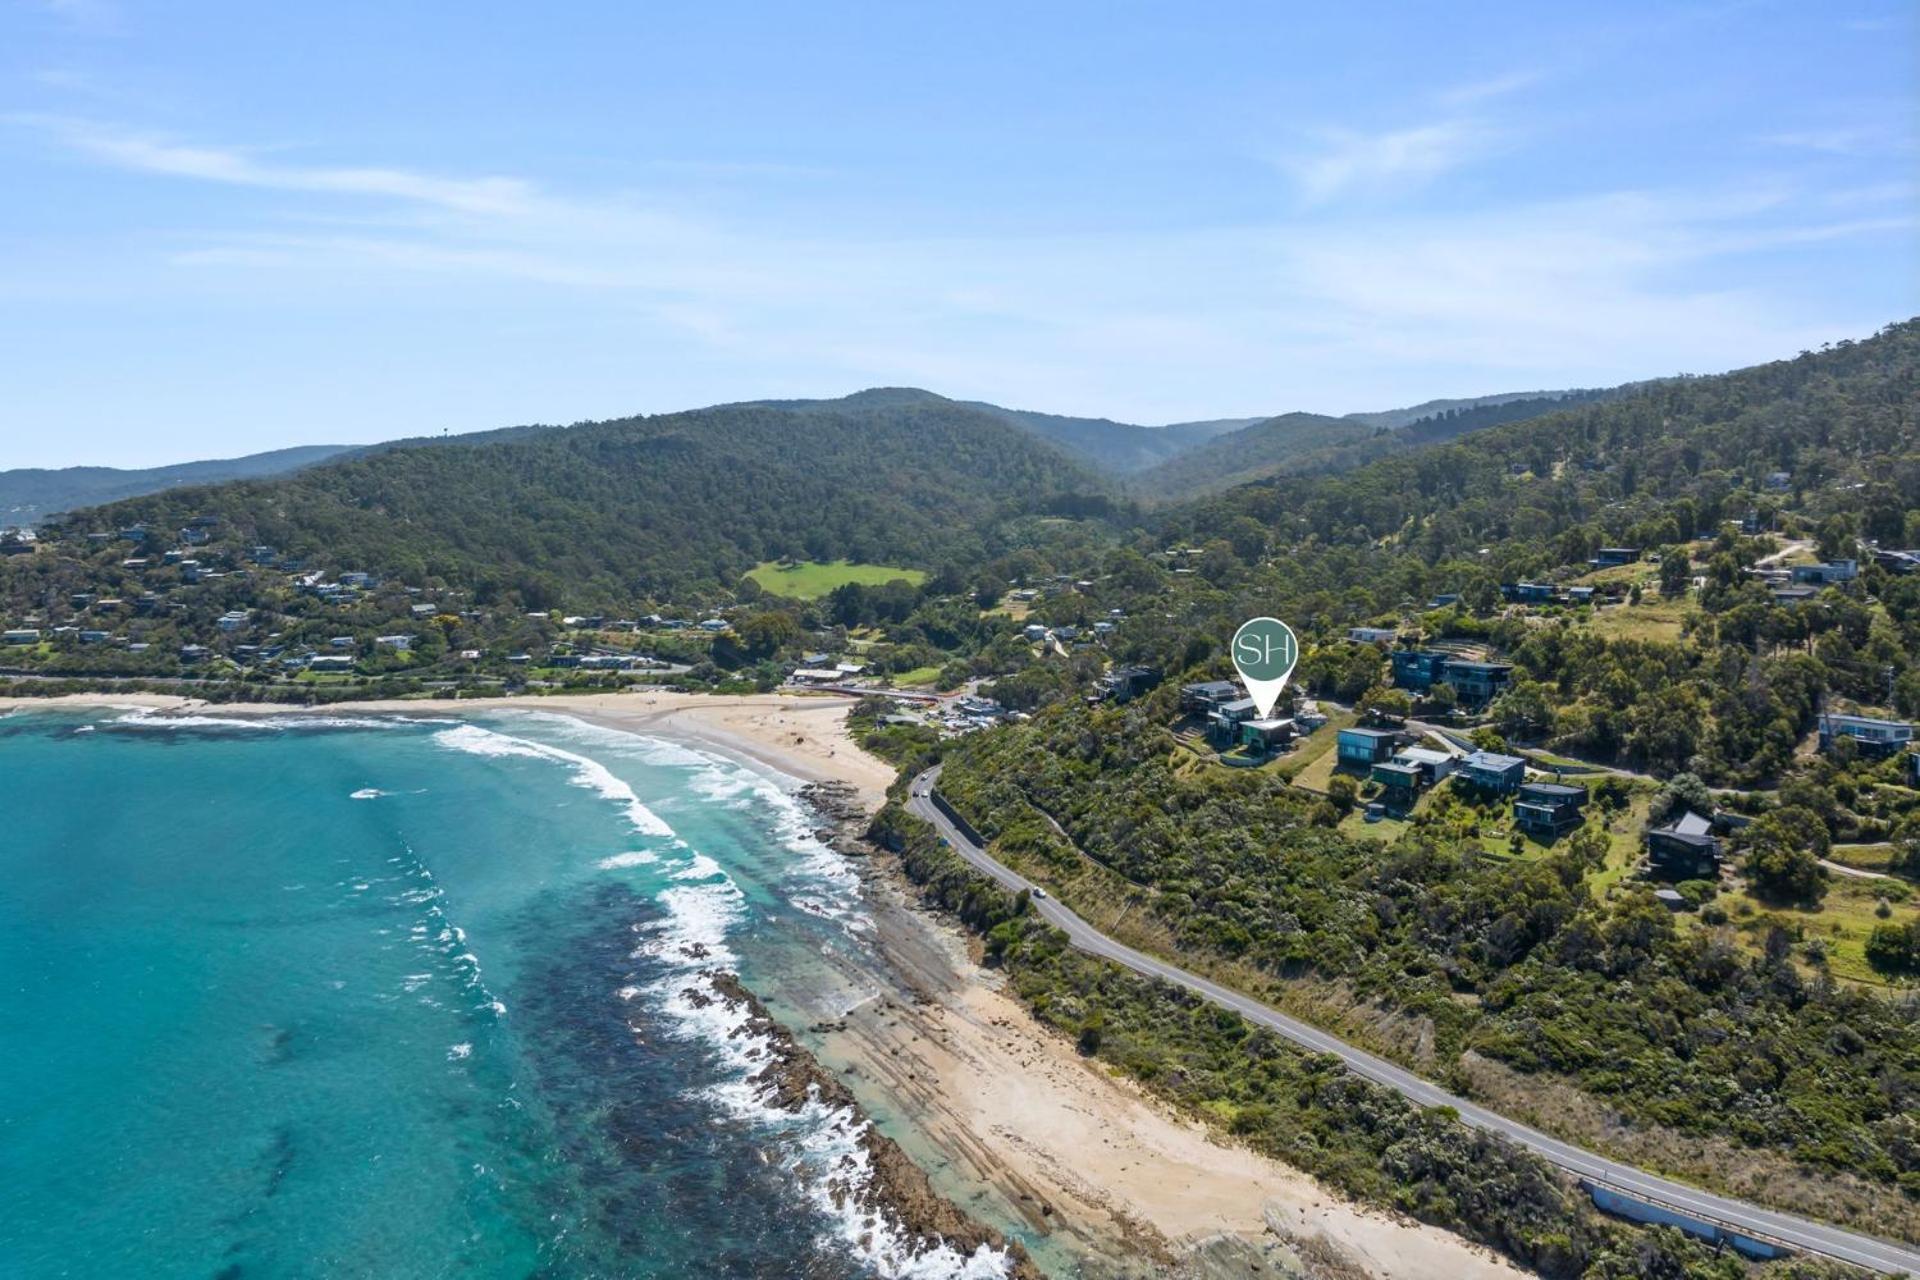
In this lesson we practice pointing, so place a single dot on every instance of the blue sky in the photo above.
(234, 227)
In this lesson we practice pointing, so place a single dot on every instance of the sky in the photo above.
(233, 227)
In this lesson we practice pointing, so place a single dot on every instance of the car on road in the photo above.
(1039, 893)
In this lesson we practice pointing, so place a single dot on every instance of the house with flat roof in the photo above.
(1684, 849)
(1364, 748)
(1788, 597)
(1400, 784)
(1826, 573)
(1417, 670)
(1224, 721)
(1527, 592)
(1476, 682)
(1263, 736)
(1607, 557)
(1372, 635)
(20, 635)
(1208, 694)
(1874, 737)
(1491, 771)
(1432, 765)
(1123, 684)
(1548, 810)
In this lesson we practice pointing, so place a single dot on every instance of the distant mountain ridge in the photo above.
(28, 495)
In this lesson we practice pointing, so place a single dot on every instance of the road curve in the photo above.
(1799, 1233)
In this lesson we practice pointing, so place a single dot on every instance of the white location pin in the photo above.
(1264, 653)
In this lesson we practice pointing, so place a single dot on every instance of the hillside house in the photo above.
(1432, 765)
(1527, 592)
(1224, 721)
(1446, 600)
(1548, 810)
(1417, 670)
(1777, 481)
(1579, 595)
(1788, 597)
(1492, 772)
(1034, 632)
(1684, 849)
(1262, 736)
(1608, 557)
(1827, 572)
(1123, 684)
(1372, 635)
(400, 644)
(1891, 561)
(1874, 737)
(233, 620)
(20, 635)
(1203, 697)
(1364, 748)
(1477, 683)
(1400, 784)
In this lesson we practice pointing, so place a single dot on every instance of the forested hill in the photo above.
(1643, 469)
(657, 506)
(1247, 454)
(30, 494)
(1118, 448)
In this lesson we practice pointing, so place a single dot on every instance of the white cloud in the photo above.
(1494, 87)
(1392, 162)
(1318, 311)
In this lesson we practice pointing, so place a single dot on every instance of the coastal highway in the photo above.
(1764, 1224)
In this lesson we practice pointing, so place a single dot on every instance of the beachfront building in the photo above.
(1873, 737)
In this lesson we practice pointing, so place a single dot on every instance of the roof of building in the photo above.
(1239, 704)
(1265, 726)
(1367, 733)
(1423, 755)
(1493, 760)
(1688, 823)
(1472, 664)
(1558, 790)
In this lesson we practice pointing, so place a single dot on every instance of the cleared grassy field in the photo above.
(811, 579)
(1653, 619)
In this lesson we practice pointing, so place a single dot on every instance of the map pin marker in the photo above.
(1264, 653)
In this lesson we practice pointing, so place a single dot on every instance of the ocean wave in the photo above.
(267, 721)
(587, 772)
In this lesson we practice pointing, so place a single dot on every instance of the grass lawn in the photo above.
(1842, 921)
(1624, 843)
(812, 579)
(1311, 763)
(1653, 619)
(1866, 857)
(919, 675)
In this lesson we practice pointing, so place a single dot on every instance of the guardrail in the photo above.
(1641, 1207)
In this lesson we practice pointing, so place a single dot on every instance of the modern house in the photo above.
(1364, 748)
(1034, 632)
(1827, 572)
(1266, 735)
(20, 635)
(1548, 809)
(1432, 765)
(1400, 783)
(1224, 721)
(1476, 682)
(1874, 737)
(1684, 849)
(1491, 771)
(1787, 597)
(1778, 481)
(1123, 684)
(1444, 600)
(233, 620)
(1205, 696)
(1417, 670)
(399, 643)
(1579, 595)
(1890, 560)
(1607, 557)
(1527, 592)
(1372, 635)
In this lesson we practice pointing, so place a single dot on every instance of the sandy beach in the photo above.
(1003, 1108)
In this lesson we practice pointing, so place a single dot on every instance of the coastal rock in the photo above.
(898, 1188)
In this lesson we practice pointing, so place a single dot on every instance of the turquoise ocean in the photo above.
(402, 997)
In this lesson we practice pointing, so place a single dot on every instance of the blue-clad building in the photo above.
(1417, 670)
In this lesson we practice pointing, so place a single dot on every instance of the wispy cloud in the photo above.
(1871, 140)
(1391, 162)
(1403, 304)
(1466, 95)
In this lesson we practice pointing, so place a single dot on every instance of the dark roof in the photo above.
(1555, 790)
(1469, 664)
(1369, 733)
(1493, 760)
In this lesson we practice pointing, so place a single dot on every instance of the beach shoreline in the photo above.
(1104, 1175)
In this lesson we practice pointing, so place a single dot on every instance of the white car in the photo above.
(1040, 893)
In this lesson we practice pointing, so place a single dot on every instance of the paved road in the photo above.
(1813, 1237)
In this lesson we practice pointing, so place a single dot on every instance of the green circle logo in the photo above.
(1264, 649)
